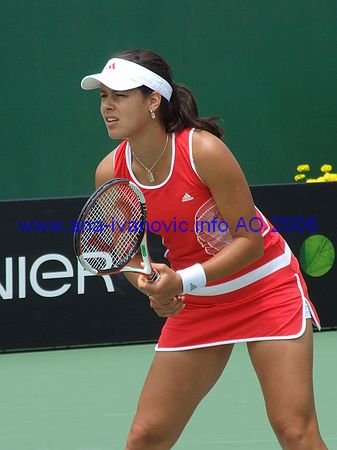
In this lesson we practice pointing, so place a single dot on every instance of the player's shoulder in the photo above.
(105, 169)
(206, 144)
(212, 157)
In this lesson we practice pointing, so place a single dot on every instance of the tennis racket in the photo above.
(112, 228)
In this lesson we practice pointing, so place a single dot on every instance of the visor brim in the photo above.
(112, 82)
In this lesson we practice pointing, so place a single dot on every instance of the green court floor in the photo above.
(84, 399)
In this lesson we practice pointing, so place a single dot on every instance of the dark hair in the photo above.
(182, 110)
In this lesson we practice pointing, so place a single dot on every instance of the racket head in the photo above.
(110, 227)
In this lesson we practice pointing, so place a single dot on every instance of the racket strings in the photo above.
(118, 216)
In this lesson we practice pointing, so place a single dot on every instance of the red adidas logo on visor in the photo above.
(112, 66)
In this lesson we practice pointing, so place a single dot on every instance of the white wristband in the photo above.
(193, 278)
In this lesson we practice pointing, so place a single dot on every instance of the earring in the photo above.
(153, 115)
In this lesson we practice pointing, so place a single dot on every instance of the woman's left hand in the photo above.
(168, 308)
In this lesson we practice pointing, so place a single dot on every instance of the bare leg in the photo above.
(176, 383)
(284, 369)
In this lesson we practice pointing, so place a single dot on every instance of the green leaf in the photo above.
(317, 255)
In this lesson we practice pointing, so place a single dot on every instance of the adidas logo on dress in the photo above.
(187, 198)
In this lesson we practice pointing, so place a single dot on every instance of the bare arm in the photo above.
(220, 171)
(171, 306)
(105, 170)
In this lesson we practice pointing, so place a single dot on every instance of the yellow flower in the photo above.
(330, 176)
(303, 168)
(326, 168)
(299, 176)
(320, 179)
(311, 180)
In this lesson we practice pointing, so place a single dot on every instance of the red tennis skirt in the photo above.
(271, 308)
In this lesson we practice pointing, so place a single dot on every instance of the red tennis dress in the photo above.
(266, 300)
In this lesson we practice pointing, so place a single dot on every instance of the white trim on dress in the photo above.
(133, 176)
(305, 305)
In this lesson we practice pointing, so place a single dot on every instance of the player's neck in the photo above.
(149, 143)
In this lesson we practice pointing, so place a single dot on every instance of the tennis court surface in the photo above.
(84, 399)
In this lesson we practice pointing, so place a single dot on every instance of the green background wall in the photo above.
(267, 67)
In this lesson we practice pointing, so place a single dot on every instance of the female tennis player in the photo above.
(238, 282)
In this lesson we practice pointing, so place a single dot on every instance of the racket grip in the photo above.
(153, 276)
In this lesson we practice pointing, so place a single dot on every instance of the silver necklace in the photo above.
(150, 175)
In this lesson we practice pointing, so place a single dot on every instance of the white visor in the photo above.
(121, 75)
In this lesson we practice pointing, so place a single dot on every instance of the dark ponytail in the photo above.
(181, 111)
